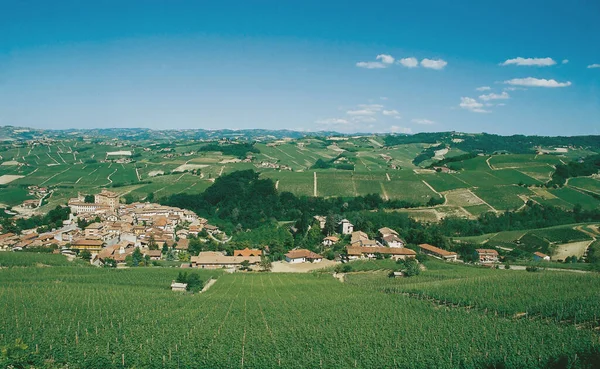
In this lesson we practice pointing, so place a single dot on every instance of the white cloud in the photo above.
(409, 62)
(472, 105)
(537, 82)
(492, 96)
(436, 64)
(565, 61)
(383, 98)
(386, 59)
(391, 112)
(529, 62)
(363, 119)
(360, 112)
(333, 121)
(422, 121)
(374, 107)
(483, 88)
(593, 66)
(398, 129)
(371, 65)
(501, 104)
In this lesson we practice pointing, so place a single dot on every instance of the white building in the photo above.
(345, 226)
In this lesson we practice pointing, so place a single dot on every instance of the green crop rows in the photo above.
(95, 318)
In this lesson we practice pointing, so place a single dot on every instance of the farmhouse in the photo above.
(345, 227)
(538, 256)
(321, 219)
(437, 252)
(487, 255)
(247, 252)
(395, 253)
(385, 231)
(302, 256)
(360, 238)
(30, 204)
(91, 245)
(213, 260)
(330, 240)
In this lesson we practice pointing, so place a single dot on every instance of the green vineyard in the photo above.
(98, 318)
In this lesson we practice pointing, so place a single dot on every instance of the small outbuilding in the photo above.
(538, 256)
(176, 286)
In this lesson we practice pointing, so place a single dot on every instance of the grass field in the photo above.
(70, 315)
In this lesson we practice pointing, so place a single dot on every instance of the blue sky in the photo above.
(349, 66)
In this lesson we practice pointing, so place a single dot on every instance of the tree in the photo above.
(89, 199)
(409, 267)
(245, 265)
(150, 197)
(165, 249)
(110, 263)
(152, 245)
(265, 263)
(85, 255)
(136, 258)
(329, 224)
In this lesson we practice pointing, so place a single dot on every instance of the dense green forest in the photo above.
(243, 198)
(237, 150)
(490, 143)
(585, 167)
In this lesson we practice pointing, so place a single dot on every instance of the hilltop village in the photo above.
(107, 232)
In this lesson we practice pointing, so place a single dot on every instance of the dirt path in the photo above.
(54, 160)
(315, 184)
(208, 285)
(375, 142)
(483, 201)
(385, 195)
(285, 267)
(488, 163)
(277, 185)
(388, 177)
(110, 180)
(221, 172)
(55, 176)
(138, 174)
(431, 188)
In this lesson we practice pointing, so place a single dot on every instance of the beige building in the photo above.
(108, 198)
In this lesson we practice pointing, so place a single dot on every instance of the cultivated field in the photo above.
(88, 317)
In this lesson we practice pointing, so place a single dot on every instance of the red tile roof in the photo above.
(436, 250)
(303, 253)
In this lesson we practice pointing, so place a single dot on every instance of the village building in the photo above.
(321, 219)
(436, 252)
(247, 252)
(182, 245)
(30, 204)
(361, 239)
(302, 256)
(538, 256)
(107, 198)
(395, 253)
(487, 255)
(214, 259)
(330, 240)
(92, 245)
(345, 227)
